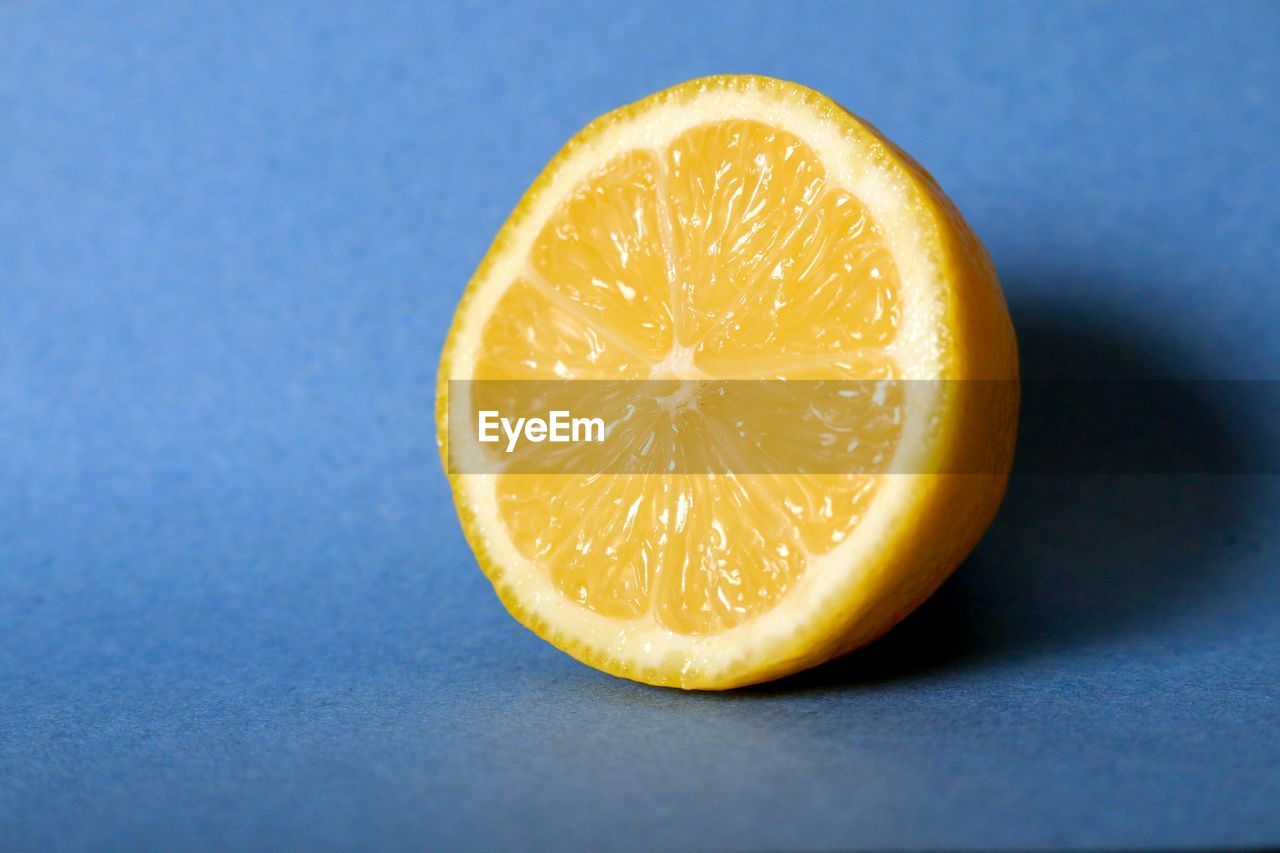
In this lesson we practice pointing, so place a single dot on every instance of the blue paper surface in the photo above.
(236, 609)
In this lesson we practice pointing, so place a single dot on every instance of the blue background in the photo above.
(236, 609)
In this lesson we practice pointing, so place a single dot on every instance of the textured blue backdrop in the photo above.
(235, 605)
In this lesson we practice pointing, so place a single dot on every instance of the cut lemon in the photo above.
(736, 227)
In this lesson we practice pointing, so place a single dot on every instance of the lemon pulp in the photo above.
(723, 255)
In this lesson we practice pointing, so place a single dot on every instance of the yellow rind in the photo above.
(950, 511)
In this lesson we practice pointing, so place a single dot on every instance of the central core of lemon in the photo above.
(726, 254)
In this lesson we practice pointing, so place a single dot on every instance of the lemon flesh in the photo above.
(736, 227)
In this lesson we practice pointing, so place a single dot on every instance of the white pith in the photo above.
(918, 350)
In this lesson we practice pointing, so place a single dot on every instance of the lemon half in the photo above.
(736, 227)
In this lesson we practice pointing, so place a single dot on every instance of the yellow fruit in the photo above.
(736, 227)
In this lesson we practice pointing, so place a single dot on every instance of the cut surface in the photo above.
(723, 254)
(740, 228)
